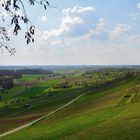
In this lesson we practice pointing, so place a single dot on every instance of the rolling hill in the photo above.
(111, 112)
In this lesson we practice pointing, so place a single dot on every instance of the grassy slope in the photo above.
(16, 115)
(37, 92)
(97, 115)
(28, 77)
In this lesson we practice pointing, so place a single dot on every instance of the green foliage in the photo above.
(16, 11)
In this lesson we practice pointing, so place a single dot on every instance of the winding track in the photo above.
(43, 117)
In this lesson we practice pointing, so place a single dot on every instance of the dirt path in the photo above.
(37, 120)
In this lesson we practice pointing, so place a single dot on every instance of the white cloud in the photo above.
(93, 52)
(64, 49)
(119, 30)
(70, 20)
(66, 26)
(43, 18)
(134, 15)
(78, 10)
(100, 27)
(138, 5)
(133, 40)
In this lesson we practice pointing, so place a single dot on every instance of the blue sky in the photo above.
(81, 32)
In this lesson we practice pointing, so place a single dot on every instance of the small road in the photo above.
(43, 117)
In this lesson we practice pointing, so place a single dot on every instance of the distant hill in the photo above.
(54, 67)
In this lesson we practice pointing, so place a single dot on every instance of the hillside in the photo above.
(110, 112)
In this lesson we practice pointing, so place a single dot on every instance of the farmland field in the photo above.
(109, 110)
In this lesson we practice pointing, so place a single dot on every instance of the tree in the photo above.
(16, 11)
(6, 83)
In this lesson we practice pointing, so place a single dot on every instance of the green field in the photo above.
(109, 111)
(29, 77)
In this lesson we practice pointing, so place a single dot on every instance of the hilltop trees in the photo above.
(6, 83)
(12, 15)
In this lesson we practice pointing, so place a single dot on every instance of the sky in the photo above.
(80, 32)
